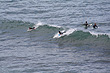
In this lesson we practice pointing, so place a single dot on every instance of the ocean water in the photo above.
(42, 50)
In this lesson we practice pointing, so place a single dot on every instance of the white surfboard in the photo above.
(59, 35)
(89, 25)
(29, 29)
(68, 32)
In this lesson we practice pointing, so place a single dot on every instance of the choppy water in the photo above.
(79, 50)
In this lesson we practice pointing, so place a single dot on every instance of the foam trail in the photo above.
(68, 32)
(38, 24)
(55, 26)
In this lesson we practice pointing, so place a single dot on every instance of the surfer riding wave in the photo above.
(61, 32)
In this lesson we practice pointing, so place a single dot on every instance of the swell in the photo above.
(9, 24)
(77, 34)
(80, 38)
(72, 37)
(75, 37)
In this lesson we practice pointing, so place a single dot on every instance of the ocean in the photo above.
(42, 50)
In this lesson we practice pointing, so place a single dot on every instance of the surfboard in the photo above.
(89, 25)
(29, 29)
(66, 33)
(59, 35)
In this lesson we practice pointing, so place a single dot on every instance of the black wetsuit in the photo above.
(86, 24)
(60, 32)
(31, 27)
(95, 26)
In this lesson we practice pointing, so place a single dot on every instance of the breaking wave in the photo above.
(72, 36)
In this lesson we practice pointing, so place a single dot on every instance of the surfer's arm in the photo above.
(97, 26)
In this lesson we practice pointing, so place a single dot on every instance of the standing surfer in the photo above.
(61, 32)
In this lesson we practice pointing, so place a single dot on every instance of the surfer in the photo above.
(86, 25)
(61, 32)
(31, 27)
(95, 26)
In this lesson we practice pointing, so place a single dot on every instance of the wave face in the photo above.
(80, 38)
(73, 36)
(49, 33)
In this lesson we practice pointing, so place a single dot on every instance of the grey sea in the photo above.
(43, 50)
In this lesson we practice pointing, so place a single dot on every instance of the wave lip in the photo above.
(99, 34)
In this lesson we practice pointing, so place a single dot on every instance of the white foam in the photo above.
(109, 35)
(55, 26)
(38, 24)
(68, 32)
(97, 34)
(93, 33)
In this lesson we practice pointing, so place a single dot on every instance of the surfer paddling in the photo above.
(95, 26)
(31, 27)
